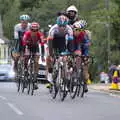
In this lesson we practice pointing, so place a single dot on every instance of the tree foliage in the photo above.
(98, 13)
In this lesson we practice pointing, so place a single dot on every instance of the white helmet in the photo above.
(80, 24)
(72, 8)
(83, 23)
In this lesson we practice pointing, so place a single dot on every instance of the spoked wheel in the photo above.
(81, 89)
(28, 87)
(54, 90)
(73, 87)
(18, 82)
(24, 81)
(32, 87)
(22, 86)
(18, 77)
(32, 77)
(31, 84)
(63, 89)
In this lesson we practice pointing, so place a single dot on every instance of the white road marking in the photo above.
(3, 98)
(15, 109)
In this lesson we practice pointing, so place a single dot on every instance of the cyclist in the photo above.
(82, 39)
(19, 30)
(59, 34)
(32, 39)
(72, 14)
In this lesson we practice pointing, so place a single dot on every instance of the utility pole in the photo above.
(107, 2)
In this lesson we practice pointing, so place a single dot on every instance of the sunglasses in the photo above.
(78, 29)
(34, 30)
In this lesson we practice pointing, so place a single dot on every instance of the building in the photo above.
(4, 46)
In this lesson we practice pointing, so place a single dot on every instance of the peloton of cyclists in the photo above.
(68, 33)
(81, 39)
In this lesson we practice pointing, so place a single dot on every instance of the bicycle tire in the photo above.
(81, 87)
(54, 90)
(28, 87)
(62, 84)
(32, 76)
(73, 87)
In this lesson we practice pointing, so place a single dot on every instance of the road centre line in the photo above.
(15, 109)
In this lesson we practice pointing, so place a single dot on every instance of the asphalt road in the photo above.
(94, 106)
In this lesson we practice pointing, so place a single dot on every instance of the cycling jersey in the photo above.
(19, 31)
(31, 40)
(60, 37)
(18, 34)
(82, 42)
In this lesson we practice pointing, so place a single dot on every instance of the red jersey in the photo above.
(32, 40)
(80, 37)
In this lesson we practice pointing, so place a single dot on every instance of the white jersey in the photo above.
(18, 29)
(55, 28)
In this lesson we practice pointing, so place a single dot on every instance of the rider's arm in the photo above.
(88, 37)
(16, 37)
(87, 40)
(42, 42)
(49, 40)
(25, 38)
(16, 29)
(69, 38)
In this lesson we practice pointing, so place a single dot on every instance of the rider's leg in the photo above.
(16, 58)
(49, 71)
(36, 69)
(36, 63)
(86, 76)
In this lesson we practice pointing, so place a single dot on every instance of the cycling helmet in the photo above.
(72, 8)
(35, 26)
(62, 20)
(80, 24)
(83, 23)
(25, 17)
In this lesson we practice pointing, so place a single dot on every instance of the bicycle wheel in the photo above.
(54, 90)
(18, 82)
(73, 87)
(32, 87)
(28, 86)
(62, 84)
(81, 86)
(54, 86)
(22, 76)
(32, 77)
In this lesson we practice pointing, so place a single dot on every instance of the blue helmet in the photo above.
(25, 17)
(62, 20)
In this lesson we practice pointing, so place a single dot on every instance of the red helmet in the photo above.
(35, 26)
